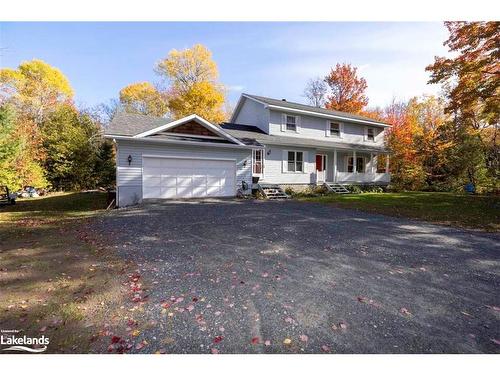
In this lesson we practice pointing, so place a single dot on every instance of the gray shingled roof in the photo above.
(131, 124)
(304, 107)
(252, 132)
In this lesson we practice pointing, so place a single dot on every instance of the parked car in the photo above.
(6, 197)
(28, 192)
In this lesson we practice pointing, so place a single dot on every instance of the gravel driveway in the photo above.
(233, 276)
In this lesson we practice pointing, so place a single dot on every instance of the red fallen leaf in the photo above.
(267, 342)
(255, 340)
(190, 308)
(361, 299)
(214, 351)
(111, 348)
(325, 348)
(303, 338)
(141, 345)
(115, 339)
(195, 299)
(217, 339)
(131, 322)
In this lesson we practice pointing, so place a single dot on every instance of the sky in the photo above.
(268, 59)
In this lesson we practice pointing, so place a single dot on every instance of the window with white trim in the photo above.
(291, 123)
(360, 164)
(295, 161)
(370, 134)
(335, 129)
(258, 162)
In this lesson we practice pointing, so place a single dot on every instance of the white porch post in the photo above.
(371, 164)
(335, 165)
(354, 170)
(387, 163)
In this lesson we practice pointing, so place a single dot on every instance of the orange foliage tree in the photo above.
(347, 90)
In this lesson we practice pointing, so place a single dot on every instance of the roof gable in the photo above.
(190, 122)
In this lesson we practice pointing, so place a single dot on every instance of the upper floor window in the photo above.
(334, 129)
(370, 134)
(291, 123)
(295, 161)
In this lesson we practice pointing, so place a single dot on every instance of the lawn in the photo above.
(467, 211)
(56, 278)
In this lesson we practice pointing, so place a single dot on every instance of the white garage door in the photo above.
(188, 178)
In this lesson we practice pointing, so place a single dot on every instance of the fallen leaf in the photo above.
(136, 332)
(404, 310)
(267, 342)
(43, 329)
(287, 341)
(325, 348)
(495, 341)
(303, 338)
(343, 325)
(255, 340)
(115, 339)
(214, 351)
(217, 339)
(190, 308)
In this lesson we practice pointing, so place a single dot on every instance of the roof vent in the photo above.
(283, 100)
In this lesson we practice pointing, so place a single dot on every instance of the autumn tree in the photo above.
(143, 98)
(35, 89)
(316, 91)
(194, 87)
(347, 90)
(471, 78)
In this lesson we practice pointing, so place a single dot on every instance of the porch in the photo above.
(352, 167)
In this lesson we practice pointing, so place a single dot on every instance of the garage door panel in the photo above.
(153, 181)
(187, 178)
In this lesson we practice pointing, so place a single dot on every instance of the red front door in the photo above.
(319, 163)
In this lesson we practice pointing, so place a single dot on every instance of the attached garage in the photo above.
(168, 177)
(157, 158)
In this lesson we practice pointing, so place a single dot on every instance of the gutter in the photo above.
(169, 141)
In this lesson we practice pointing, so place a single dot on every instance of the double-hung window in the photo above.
(370, 134)
(335, 129)
(360, 164)
(295, 161)
(291, 123)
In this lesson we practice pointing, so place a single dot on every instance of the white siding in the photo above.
(314, 128)
(254, 114)
(129, 178)
(273, 166)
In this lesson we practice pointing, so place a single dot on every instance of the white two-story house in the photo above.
(267, 141)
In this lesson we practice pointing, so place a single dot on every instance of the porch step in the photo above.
(271, 191)
(336, 188)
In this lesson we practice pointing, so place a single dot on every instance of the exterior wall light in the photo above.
(268, 152)
(129, 159)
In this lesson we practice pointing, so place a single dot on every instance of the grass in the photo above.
(56, 276)
(466, 211)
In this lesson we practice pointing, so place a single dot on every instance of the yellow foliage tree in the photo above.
(143, 98)
(203, 99)
(193, 74)
(35, 88)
